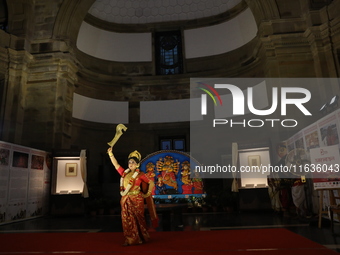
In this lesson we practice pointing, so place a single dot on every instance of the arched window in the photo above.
(3, 15)
(168, 53)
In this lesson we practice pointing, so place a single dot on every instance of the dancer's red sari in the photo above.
(132, 206)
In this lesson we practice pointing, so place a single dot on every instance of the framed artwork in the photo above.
(71, 169)
(20, 159)
(254, 160)
(37, 162)
(4, 157)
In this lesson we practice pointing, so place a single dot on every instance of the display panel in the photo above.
(67, 178)
(24, 182)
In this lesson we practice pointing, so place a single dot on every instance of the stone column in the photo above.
(14, 95)
(49, 101)
(322, 50)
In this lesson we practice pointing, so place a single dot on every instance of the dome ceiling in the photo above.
(156, 11)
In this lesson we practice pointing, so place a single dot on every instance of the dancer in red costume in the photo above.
(132, 201)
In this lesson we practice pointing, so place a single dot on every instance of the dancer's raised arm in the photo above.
(113, 159)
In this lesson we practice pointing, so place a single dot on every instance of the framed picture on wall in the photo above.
(254, 160)
(71, 169)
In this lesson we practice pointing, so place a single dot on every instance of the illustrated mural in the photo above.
(171, 170)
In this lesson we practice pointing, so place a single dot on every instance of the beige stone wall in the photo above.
(42, 68)
(48, 101)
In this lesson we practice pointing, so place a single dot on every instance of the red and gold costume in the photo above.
(135, 186)
(132, 204)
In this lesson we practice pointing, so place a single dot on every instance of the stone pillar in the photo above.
(297, 44)
(49, 101)
(14, 95)
(322, 50)
(288, 55)
(334, 22)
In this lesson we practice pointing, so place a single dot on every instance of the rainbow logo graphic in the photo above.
(210, 94)
(210, 91)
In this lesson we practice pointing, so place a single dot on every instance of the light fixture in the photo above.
(331, 105)
(334, 101)
(323, 108)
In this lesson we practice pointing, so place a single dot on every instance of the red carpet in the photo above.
(233, 242)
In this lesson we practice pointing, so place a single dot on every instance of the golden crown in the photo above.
(135, 154)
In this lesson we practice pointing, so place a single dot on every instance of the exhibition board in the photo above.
(320, 140)
(68, 183)
(320, 144)
(24, 182)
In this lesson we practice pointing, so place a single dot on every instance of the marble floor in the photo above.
(307, 227)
